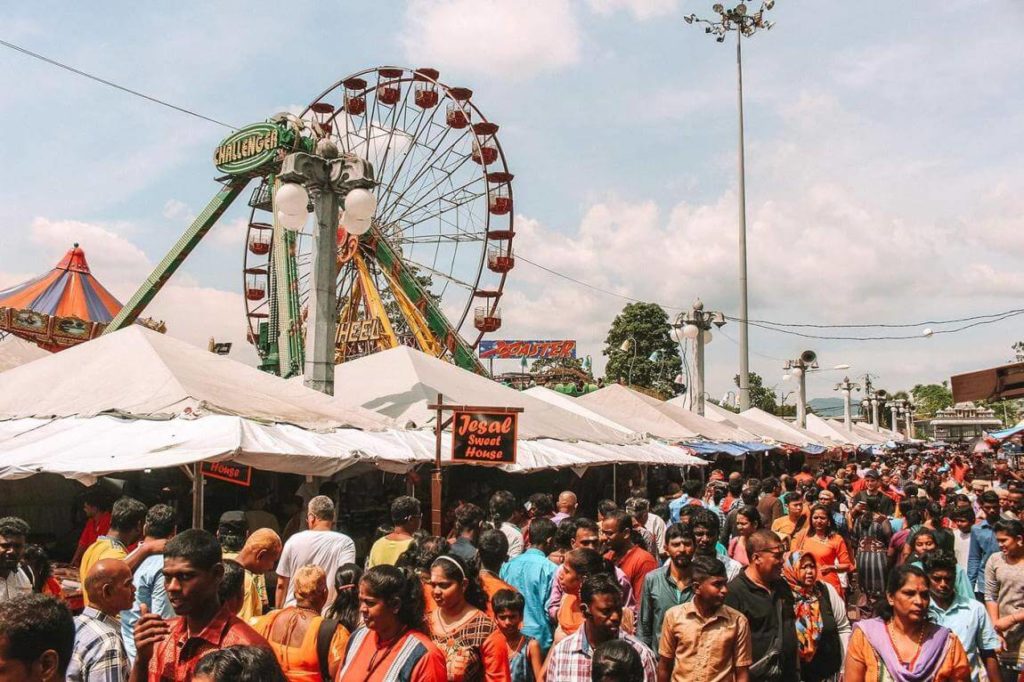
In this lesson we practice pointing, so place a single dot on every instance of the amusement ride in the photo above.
(421, 229)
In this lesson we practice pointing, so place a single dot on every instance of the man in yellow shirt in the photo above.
(258, 556)
(406, 517)
(126, 520)
(787, 527)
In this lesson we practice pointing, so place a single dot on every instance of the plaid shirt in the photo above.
(98, 655)
(570, 660)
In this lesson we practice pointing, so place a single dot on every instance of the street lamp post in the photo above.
(627, 345)
(847, 387)
(807, 361)
(745, 24)
(330, 178)
(696, 326)
(910, 419)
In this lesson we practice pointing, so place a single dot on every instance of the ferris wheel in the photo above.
(431, 271)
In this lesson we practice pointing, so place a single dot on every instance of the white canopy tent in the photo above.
(141, 373)
(645, 414)
(760, 416)
(401, 382)
(870, 435)
(826, 429)
(15, 352)
(767, 432)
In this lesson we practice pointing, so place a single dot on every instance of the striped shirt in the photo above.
(98, 655)
(572, 658)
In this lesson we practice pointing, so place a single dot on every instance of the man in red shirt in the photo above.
(168, 650)
(617, 542)
(96, 504)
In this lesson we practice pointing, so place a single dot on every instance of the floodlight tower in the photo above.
(739, 19)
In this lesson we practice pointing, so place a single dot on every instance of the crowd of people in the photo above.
(906, 567)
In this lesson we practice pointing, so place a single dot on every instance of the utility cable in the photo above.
(78, 72)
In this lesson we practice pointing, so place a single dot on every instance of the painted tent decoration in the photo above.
(60, 308)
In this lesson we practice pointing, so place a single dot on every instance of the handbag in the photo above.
(768, 668)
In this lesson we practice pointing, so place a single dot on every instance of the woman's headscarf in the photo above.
(806, 604)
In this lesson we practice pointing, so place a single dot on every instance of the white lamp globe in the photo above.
(291, 198)
(691, 331)
(797, 371)
(292, 222)
(360, 204)
(356, 226)
(708, 336)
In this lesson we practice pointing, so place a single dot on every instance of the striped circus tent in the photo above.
(60, 308)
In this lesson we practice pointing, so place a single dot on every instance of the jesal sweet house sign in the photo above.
(484, 437)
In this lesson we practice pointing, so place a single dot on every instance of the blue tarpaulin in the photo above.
(1006, 433)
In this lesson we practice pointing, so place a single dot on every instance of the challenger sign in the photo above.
(514, 349)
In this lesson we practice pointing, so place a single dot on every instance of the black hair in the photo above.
(749, 496)
(638, 505)
(161, 521)
(196, 546)
(616, 661)
(897, 579)
(705, 567)
(241, 664)
(599, 583)
(940, 561)
(830, 530)
(541, 504)
(963, 514)
(587, 562)
(98, 497)
(1011, 527)
(127, 515)
(989, 496)
(475, 595)
(566, 532)
(541, 530)
(678, 530)
(508, 600)
(33, 624)
(708, 519)
(584, 522)
(404, 508)
(232, 585)
(12, 526)
(468, 516)
(751, 514)
(492, 548)
(345, 608)
(36, 558)
(421, 553)
(502, 506)
(390, 583)
(770, 484)
(921, 532)
(623, 520)
(606, 507)
(692, 487)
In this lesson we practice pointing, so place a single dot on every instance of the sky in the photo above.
(883, 140)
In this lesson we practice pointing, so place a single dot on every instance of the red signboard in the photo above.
(239, 474)
(514, 349)
(484, 437)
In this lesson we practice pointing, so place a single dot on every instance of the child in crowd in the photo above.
(525, 660)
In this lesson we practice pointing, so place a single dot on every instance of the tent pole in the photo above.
(615, 483)
(197, 495)
(435, 477)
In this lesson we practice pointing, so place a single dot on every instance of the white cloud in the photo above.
(641, 10)
(510, 40)
(175, 209)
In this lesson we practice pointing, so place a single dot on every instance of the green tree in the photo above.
(544, 364)
(761, 397)
(1018, 351)
(640, 350)
(930, 398)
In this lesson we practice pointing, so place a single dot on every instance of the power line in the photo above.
(111, 84)
(779, 327)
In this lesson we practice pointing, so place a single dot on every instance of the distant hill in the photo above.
(832, 407)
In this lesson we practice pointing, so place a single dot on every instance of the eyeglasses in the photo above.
(776, 552)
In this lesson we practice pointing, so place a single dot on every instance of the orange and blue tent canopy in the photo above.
(69, 290)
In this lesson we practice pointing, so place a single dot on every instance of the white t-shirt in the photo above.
(515, 539)
(324, 548)
(14, 585)
(961, 547)
(657, 526)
